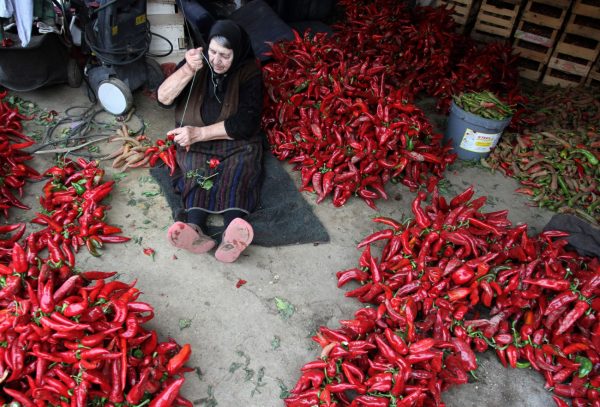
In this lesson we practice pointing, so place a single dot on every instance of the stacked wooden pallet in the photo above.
(462, 11)
(578, 46)
(496, 20)
(536, 35)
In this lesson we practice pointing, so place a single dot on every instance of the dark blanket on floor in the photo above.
(282, 218)
(584, 237)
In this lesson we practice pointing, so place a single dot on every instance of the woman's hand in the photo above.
(194, 59)
(185, 136)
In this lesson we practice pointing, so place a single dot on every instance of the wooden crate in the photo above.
(563, 79)
(570, 64)
(530, 69)
(584, 25)
(572, 60)
(462, 10)
(497, 18)
(590, 8)
(542, 13)
(535, 41)
(532, 51)
(578, 46)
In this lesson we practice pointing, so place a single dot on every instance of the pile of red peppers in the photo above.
(14, 171)
(341, 107)
(70, 338)
(449, 283)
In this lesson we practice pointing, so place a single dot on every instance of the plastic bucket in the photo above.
(473, 136)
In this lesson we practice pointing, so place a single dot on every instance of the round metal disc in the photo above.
(114, 96)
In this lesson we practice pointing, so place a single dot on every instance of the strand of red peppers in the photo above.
(14, 171)
(67, 338)
(340, 108)
(451, 282)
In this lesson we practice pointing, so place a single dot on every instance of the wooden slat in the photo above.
(497, 18)
(535, 39)
(583, 30)
(530, 74)
(586, 9)
(530, 69)
(491, 29)
(581, 52)
(533, 13)
(542, 57)
(489, 9)
(553, 77)
(570, 66)
(485, 36)
(558, 3)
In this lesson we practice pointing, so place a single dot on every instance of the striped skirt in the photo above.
(220, 175)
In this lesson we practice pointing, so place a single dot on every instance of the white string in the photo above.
(212, 77)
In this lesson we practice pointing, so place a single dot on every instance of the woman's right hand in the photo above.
(193, 58)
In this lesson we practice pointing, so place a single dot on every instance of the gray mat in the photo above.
(282, 218)
(584, 238)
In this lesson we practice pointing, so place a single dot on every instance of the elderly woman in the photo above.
(217, 95)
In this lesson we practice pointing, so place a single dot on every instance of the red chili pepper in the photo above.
(97, 275)
(177, 361)
(559, 301)
(572, 316)
(422, 345)
(372, 401)
(396, 342)
(512, 354)
(379, 235)
(420, 216)
(551, 284)
(462, 198)
(114, 239)
(19, 397)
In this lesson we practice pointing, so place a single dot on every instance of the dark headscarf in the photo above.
(237, 37)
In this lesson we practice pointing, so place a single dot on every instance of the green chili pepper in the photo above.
(593, 206)
(585, 366)
(79, 189)
(523, 365)
(302, 87)
(588, 154)
(563, 186)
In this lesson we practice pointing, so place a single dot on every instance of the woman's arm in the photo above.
(174, 84)
(188, 135)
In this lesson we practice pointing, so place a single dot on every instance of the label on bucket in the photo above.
(477, 142)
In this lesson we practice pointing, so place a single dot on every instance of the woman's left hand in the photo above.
(184, 136)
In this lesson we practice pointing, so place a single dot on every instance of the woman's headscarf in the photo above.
(237, 37)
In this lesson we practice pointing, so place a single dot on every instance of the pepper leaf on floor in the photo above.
(282, 217)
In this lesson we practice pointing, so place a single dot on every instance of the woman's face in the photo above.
(220, 57)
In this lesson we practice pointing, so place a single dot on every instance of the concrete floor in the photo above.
(247, 352)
